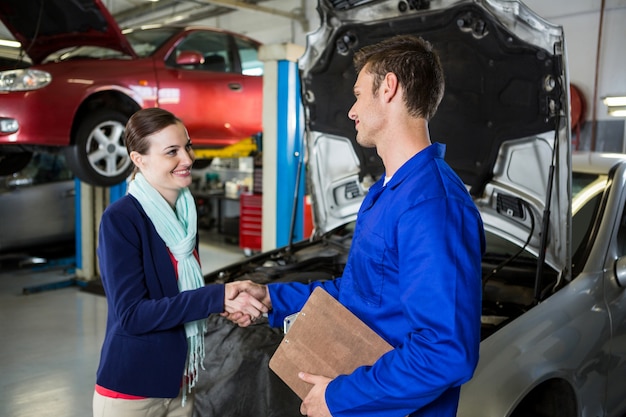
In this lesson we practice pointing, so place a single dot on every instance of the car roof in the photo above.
(44, 27)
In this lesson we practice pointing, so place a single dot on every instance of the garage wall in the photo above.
(268, 28)
(581, 21)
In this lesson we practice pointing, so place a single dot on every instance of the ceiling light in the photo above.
(10, 44)
(617, 111)
(616, 105)
(612, 101)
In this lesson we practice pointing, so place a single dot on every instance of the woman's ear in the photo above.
(137, 158)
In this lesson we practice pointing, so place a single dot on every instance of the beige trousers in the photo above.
(149, 407)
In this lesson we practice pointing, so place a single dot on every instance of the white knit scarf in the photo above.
(178, 230)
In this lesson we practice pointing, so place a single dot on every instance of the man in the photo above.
(414, 270)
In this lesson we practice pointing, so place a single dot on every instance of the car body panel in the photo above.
(78, 82)
(615, 297)
(213, 91)
(576, 335)
(37, 205)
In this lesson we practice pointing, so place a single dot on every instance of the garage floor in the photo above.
(50, 340)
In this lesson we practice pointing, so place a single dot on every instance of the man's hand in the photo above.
(245, 301)
(314, 404)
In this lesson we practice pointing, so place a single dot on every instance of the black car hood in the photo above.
(44, 27)
(504, 117)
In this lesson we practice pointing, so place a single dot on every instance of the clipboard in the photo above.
(325, 339)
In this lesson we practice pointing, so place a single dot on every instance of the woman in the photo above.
(150, 269)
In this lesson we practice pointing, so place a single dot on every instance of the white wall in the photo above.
(268, 28)
(580, 20)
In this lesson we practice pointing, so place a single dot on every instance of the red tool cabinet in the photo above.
(250, 221)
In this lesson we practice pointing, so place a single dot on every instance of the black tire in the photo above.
(202, 163)
(98, 155)
(10, 163)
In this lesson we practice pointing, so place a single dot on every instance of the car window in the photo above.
(587, 191)
(43, 168)
(581, 181)
(621, 235)
(145, 42)
(212, 46)
(249, 57)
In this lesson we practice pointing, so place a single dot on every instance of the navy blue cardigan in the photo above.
(145, 347)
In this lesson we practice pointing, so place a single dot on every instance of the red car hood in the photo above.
(44, 27)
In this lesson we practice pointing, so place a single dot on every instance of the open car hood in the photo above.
(44, 27)
(504, 117)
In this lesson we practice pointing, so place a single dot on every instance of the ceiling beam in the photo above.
(242, 5)
(145, 9)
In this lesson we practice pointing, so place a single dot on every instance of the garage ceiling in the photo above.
(140, 12)
(131, 13)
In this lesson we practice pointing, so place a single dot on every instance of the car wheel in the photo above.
(10, 163)
(98, 155)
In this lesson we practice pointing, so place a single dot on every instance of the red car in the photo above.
(87, 77)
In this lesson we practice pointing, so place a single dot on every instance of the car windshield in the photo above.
(143, 41)
(43, 168)
(587, 191)
(146, 41)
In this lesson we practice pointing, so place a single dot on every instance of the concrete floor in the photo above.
(50, 340)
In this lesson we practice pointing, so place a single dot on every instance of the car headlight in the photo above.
(24, 80)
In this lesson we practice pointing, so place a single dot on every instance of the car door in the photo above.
(37, 204)
(218, 104)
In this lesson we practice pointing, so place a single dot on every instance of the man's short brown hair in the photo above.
(416, 65)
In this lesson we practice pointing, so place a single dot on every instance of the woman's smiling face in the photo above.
(167, 164)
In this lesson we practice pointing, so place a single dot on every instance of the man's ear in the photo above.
(137, 158)
(390, 86)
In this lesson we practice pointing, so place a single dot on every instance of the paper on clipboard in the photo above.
(326, 339)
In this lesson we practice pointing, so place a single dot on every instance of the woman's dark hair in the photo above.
(415, 64)
(144, 123)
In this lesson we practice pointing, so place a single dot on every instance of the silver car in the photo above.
(554, 307)
(37, 205)
(560, 351)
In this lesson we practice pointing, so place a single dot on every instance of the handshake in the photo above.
(245, 302)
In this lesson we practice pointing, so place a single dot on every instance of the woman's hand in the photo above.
(245, 302)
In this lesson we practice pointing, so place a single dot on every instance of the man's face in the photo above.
(367, 110)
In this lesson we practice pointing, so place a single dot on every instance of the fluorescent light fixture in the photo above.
(617, 111)
(10, 44)
(176, 18)
(612, 101)
(616, 105)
